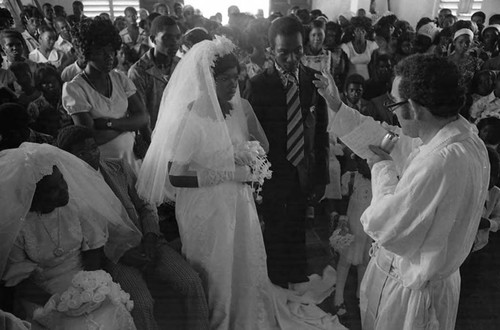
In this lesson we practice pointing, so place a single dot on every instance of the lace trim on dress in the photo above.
(211, 178)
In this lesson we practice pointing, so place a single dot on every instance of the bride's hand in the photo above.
(243, 158)
(328, 90)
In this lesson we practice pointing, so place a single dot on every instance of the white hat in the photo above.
(463, 32)
(492, 26)
(430, 30)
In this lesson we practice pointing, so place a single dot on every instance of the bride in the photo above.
(191, 159)
(58, 218)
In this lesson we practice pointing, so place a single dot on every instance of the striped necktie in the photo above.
(295, 127)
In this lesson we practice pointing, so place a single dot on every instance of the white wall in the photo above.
(409, 10)
(491, 7)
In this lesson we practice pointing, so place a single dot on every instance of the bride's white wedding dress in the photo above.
(32, 255)
(227, 248)
(47, 248)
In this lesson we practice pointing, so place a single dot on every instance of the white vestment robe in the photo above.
(424, 216)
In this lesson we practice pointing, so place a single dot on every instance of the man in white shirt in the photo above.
(428, 196)
(63, 42)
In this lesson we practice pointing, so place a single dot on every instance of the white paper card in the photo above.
(368, 133)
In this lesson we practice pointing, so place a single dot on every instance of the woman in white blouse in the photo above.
(359, 50)
(103, 99)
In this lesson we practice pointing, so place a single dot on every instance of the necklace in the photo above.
(58, 251)
(108, 84)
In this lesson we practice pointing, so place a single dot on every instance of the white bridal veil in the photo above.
(22, 168)
(190, 109)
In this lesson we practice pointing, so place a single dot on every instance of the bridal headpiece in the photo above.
(219, 47)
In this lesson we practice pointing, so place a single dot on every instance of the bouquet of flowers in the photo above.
(252, 154)
(87, 292)
(341, 237)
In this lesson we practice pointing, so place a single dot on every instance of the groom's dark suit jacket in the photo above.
(267, 95)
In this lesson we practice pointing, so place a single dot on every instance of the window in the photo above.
(209, 8)
(114, 8)
(463, 9)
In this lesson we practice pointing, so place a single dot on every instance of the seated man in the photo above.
(154, 257)
(63, 42)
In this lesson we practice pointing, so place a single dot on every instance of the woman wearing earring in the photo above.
(103, 99)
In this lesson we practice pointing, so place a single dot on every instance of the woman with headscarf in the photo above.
(467, 64)
(58, 217)
(196, 158)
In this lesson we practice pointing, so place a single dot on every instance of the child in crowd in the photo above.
(489, 131)
(444, 40)
(356, 185)
(488, 105)
(404, 46)
(7, 78)
(483, 83)
(46, 53)
(26, 91)
(47, 114)
(333, 190)
(124, 59)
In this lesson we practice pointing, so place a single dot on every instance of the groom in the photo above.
(294, 118)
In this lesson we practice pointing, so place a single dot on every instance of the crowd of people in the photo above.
(113, 130)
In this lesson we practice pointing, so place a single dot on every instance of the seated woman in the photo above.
(60, 218)
(103, 99)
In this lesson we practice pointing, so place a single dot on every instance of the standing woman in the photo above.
(134, 36)
(359, 50)
(315, 55)
(340, 63)
(467, 64)
(103, 99)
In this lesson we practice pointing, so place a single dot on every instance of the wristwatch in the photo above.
(109, 123)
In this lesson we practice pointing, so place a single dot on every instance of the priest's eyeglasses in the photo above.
(392, 106)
